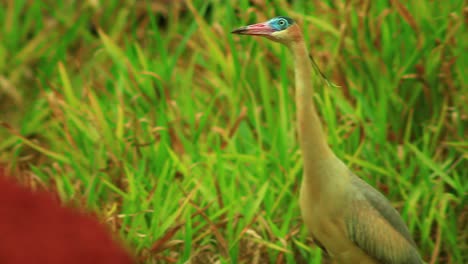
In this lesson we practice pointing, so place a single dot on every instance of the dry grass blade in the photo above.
(164, 242)
(215, 229)
(408, 17)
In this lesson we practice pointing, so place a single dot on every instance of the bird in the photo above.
(347, 218)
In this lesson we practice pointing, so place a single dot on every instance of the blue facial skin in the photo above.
(280, 23)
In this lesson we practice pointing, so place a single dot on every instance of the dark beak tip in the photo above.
(238, 30)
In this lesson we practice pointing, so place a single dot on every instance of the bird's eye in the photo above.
(281, 22)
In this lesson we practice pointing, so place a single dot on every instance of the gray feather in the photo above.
(383, 206)
(363, 235)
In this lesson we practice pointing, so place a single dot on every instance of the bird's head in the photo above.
(280, 29)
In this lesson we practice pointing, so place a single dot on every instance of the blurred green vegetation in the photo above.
(182, 137)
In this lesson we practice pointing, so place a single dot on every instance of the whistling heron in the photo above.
(351, 221)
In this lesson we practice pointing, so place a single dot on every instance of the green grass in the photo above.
(182, 136)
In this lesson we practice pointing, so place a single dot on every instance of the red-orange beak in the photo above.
(260, 29)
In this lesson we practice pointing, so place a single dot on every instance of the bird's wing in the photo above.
(377, 228)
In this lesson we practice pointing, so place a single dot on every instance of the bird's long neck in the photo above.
(312, 138)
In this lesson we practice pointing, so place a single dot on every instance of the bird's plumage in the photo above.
(349, 219)
(377, 228)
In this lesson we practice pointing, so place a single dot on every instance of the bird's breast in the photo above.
(323, 213)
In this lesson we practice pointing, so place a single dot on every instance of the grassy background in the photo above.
(182, 136)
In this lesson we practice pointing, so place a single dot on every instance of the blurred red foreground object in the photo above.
(35, 228)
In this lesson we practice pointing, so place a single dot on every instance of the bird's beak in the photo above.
(260, 29)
